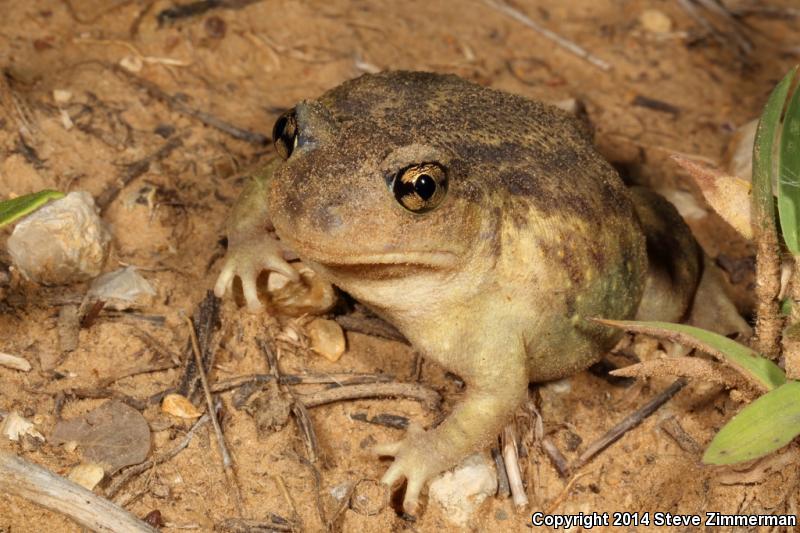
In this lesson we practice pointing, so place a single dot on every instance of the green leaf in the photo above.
(769, 423)
(765, 374)
(11, 210)
(788, 168)
(765, 152)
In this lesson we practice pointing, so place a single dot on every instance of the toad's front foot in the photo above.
(246, 259)
(416, 459)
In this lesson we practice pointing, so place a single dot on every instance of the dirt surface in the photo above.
(132, 85)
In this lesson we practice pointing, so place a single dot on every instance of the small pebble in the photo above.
(177, 405)
(655, 21)
(61, 96)
(87, 475)
(327, 338)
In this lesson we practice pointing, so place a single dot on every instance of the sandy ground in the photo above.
(679, 89)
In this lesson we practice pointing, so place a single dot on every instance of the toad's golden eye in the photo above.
(284, 134)
(420, 188)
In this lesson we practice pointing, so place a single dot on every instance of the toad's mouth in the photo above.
(376, 266)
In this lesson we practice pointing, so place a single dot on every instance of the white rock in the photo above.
(461, 491)
(122, 289)
(14, 426)
(63, 242)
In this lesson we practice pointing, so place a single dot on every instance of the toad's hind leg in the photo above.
(674, 259)
(497, 384)
(682, 283)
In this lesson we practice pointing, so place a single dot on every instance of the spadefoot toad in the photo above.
(483, 225)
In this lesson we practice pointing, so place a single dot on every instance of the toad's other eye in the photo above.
(420, 188)
(284, 134)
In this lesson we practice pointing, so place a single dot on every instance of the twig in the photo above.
(242, 525)
(135, 470)
(301, 416)
(503, 488)
(19, 477)
(178, 106)
(134, 170)
(564, 493)
(414, 391)
(511, 459)
(628, 423)
(206, 322)
(745, 46)
(556, 457)
(135, 371)
(673, 428)
(549, 34)
(227, 461)
(288, 497)
(317, 488)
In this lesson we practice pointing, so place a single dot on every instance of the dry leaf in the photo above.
(87, 475)
(15, 362)
(728, 195)
(687, 367)
(177, 405)
(114, 435)
(14, 426)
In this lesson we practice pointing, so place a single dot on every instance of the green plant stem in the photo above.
(791, 335)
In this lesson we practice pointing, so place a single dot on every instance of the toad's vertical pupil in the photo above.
(425, 186)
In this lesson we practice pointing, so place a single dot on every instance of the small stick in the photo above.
(628, 423)
(227, 461)
(135, 470)
(673, 428)
(135, 371)
(556, 457)
(134, 170)
(243, 525)
(511, 458)
(564, 493)
(415, 391)
(301, 416)
(566, 44)
(179, 107)
(288, 497)
(503, 488)
(317, 487)
(19, 477)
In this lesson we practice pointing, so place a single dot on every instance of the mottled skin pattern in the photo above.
(535, 234)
